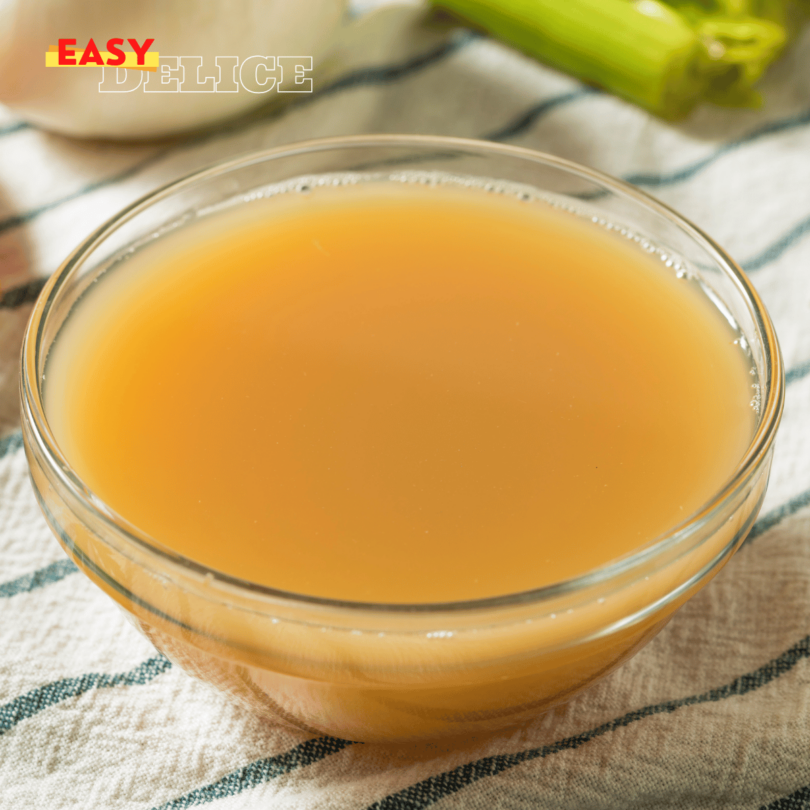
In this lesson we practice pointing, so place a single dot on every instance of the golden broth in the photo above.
(392, 392)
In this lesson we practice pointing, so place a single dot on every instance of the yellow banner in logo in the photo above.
(151, 59)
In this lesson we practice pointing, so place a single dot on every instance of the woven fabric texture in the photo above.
(713, 713)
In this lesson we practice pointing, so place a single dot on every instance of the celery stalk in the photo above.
(643, 51)
(737, 46)
(664, 56)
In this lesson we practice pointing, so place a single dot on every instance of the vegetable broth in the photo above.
(399, 392)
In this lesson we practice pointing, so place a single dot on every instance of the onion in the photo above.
(68, 100)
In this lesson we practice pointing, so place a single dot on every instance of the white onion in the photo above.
(67, 99)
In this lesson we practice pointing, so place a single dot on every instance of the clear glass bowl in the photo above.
(376, 672)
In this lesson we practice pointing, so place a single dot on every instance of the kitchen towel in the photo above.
(713, 713)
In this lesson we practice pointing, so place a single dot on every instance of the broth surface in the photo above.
(391, 392)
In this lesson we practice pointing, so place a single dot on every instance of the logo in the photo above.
(139, 58)
(128, 71)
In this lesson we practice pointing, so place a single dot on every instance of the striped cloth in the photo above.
(714, 713)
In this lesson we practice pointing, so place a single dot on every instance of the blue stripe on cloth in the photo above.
(427, 792)
(362, 77)
(259, 772)
(23, 294)
(11, 443)
(43, 697)
(777, 248)
(776, 516)
(535, 113)
(797, 373)
(800, 800)
(54, 572)
(686, 172)
(526, 119)
(17, 220)
(8, 129)
(87, 564)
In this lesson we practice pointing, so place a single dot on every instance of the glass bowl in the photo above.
(377, 672)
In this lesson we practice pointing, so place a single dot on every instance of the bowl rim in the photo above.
(34, 418)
